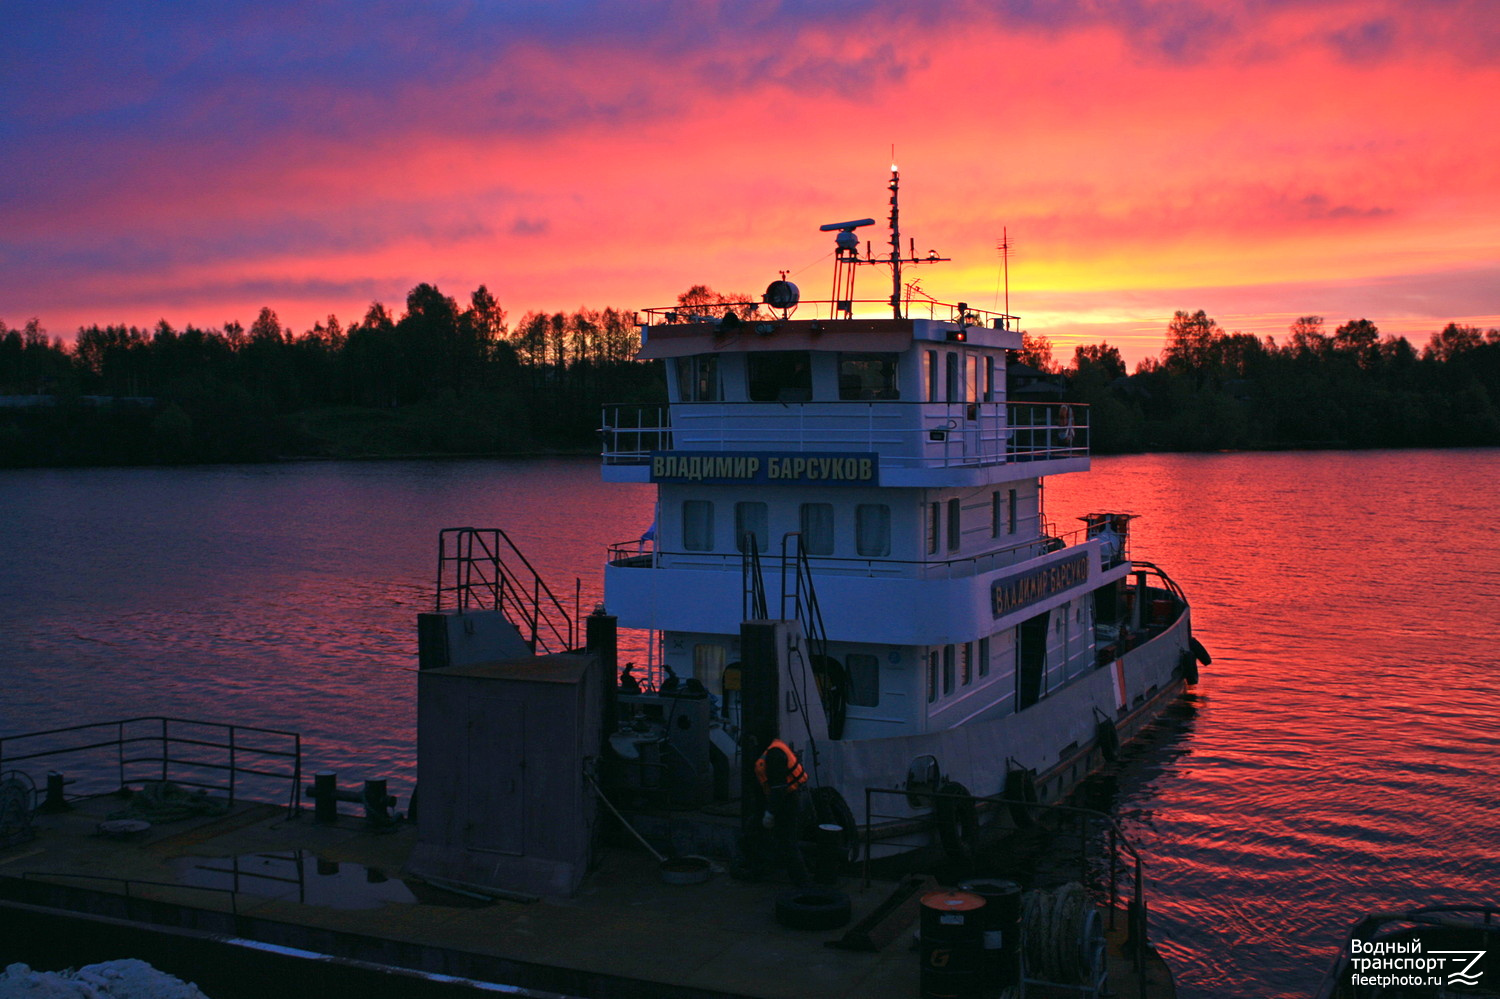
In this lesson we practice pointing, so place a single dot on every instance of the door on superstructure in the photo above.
(1031, 659)
(494, 804)
(973, 392)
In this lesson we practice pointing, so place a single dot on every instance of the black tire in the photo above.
(1189, 666)
(830, 808)
(1020, 788)
(813, 909)
(957, 822)
(1199, 652)
(1108, 739)
(833, 688)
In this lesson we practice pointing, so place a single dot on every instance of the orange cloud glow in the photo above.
(1260, 162)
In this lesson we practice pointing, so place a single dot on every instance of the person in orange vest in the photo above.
(781, 781)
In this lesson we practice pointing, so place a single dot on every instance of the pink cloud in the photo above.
(1148, 158)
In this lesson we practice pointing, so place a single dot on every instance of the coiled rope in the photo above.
(1061, 936)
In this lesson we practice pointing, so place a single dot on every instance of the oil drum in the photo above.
(999, 933)
(952, 946)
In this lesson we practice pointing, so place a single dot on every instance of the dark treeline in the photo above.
(452, 379)
(1212, 390)
(443, 378)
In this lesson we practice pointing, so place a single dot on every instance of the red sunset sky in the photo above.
(1260, 160)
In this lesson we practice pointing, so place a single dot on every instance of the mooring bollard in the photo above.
(326, 796)
(324, 793)
(55, 802)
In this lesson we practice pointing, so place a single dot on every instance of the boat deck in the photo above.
(338, 890)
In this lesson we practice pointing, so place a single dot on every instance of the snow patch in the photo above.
(127, 979)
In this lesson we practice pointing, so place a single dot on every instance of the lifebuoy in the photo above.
(957, 819)
(1108, 739)
(1065, 421)
(1020, 789)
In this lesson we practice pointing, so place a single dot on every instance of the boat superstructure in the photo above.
(880, 481)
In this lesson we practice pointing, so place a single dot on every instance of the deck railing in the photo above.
(878, 308)
(904, 434)
(210, 756)
(644, 553)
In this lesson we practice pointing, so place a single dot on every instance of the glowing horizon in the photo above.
(1260, 163)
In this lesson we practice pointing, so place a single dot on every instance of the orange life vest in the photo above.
(796, 777)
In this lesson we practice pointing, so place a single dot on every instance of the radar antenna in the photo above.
(845, 256)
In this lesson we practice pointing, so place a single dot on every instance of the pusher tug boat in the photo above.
(874, 485)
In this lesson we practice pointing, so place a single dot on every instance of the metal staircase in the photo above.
(482, 569)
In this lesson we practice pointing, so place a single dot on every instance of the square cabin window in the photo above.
(868, 376)
(817, 528)
(698, 378)
(750, 518)
(779, 375)
(864, 679)
(872, 529)
(698, 525)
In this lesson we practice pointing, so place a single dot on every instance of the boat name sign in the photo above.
(795, 468)
(1014, 592)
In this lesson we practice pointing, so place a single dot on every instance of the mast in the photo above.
(895, 186)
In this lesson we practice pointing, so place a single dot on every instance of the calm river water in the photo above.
(1340, 755)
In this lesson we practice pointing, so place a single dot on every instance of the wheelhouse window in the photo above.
(955, 377)
(872, 529)
(698, 378)
(864, 679)
(750, 519)
(868, 376)
(780, 376)
(817, 528)
(698, 525)
(930, 374)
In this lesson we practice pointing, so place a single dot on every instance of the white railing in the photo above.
(904, 434)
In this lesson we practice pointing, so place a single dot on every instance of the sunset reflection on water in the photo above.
(1339, 755)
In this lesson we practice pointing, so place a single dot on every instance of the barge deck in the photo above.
(70, 896)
